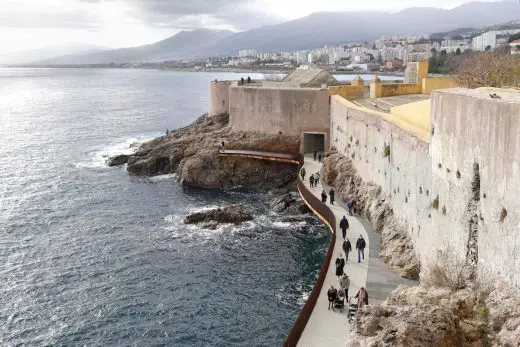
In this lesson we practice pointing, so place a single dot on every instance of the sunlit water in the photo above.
(93, 256)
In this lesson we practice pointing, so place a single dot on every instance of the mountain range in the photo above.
(304, 33)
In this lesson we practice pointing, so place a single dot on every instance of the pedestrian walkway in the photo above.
(328, 328)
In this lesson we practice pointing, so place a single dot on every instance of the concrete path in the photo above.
(328, 328)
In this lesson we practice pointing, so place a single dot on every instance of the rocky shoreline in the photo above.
(192, 154)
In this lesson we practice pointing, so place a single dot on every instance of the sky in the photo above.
(42, 24)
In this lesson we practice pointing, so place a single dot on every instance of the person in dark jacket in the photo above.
(340, 264)
(302, 172)
(311, 180)
(362, 297)
(343, 225)
(331, 194)
(319, 157)
(347, 247)
(332, 294)
(323, 197)
(315, 154)
(360, 246)
(248, 79)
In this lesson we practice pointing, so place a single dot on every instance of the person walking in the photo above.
(331, 194)
(319, 157)
(323, 197)
(311, 180)
(340, 264)
(344, 284)
(347, 247)
(343, 225)
(248, 79)
(315, 154)
(317, 178)
(360, 246)
(332, 294)
(349, 207)
(302, 172)
(362, 298)
(222, 146)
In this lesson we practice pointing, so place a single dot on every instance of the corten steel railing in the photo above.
(322, 211)
(325, 213)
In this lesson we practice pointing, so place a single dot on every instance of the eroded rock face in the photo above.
(434, 316)
(234, 214)
(192, 153)
(117, 160)
(396, 246)
(287, 204)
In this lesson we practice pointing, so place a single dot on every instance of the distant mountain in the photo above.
(47, 53)
(309, 32)
(184, 43)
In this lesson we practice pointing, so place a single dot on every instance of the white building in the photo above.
(515, 47)
(247, 53)
(301, 57)
(479, 43)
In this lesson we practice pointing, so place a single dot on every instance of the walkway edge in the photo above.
(330, 220)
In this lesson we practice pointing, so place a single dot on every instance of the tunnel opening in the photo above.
(313, 141)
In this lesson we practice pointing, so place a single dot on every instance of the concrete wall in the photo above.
(471, 128)
(405, 175)
(349, 92)
(384, 90)
(271, 110)
(218, 97)
(429, 84)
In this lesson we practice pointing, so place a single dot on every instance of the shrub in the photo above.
(503, 215)
(489, 69)
(435, 203)
(449, 272)
(386, 151)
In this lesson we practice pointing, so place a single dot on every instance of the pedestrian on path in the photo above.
(340, 264)
(323, 197)
(349, 207)
(343, 225)
(222, 146)
(332, 294)
(311, 180)
(360, 246)
(362, 298)
(347, 247)
(319, 157)
(315, 154)
(302, 172)
(344, 284)
(331, 194)
(316, 178)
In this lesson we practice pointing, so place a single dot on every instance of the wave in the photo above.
(98, 158)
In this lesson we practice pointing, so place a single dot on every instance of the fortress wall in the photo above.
(405, 175)
(349, 92)
(471, 128)
(218, 97)
(271, 110)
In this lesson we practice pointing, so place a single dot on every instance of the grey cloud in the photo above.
(186, 14)
(65, 20)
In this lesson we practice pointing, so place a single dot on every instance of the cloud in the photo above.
(185, 14)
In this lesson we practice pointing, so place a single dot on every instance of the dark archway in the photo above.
(313, 141)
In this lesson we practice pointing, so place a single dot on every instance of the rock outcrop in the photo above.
(287, 204)
(233, 214)
(437, 316)
(117, 160)
(396, 246)
(192, 153)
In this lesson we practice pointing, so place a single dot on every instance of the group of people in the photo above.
(317, 155)
(347, 246)
(314, 179)
(344, 284)
(243, 81)
(324, 196)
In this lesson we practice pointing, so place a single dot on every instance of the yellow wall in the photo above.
(349, 92)
(415, 113)
(398, 89)
(429, 84)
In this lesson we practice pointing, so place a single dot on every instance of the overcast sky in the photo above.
(33, 24)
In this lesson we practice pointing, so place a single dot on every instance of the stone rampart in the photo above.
(218, 97)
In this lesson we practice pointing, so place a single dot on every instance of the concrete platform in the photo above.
(328, 328)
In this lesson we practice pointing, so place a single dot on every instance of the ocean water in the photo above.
(93, 256)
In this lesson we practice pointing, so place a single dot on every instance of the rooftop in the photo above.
(309, 78)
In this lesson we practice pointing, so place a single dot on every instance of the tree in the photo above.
(489, 69)
(514, 37)
(433, 50)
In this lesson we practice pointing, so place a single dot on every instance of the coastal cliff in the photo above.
(192, 154)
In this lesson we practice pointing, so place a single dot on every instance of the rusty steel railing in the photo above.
(325, 213)
(321, 210)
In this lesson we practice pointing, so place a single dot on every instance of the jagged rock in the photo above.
(289, 205)
(192, 153)
(433, 316)
(234, 214)
(396, 246)
(117, 160)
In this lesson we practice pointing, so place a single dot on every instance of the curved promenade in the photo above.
(316, 325)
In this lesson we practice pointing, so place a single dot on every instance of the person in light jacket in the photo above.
(344, 284)
(362, 298)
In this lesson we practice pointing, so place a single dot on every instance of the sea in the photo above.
(94, 256)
